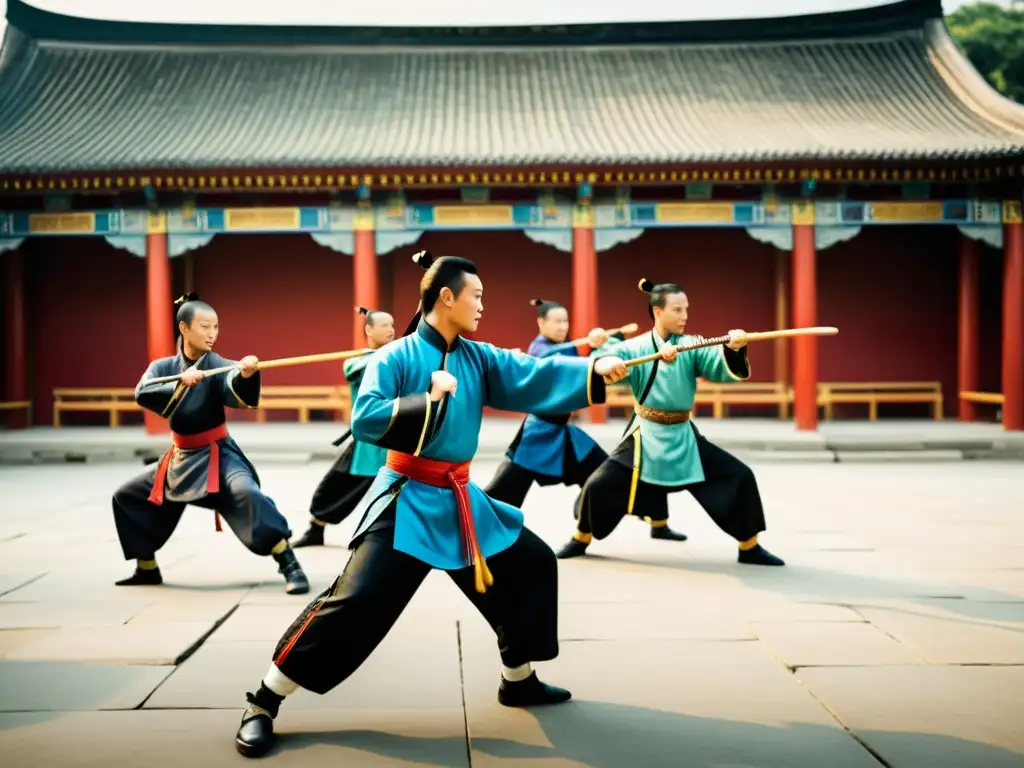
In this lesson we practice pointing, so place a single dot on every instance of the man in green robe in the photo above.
(662, 451)
(347, 481)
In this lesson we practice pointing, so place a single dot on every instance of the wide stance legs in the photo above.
(340, 629)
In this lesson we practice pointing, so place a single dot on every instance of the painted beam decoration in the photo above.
(545, 214)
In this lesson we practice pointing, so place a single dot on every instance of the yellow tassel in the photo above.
(481, 573)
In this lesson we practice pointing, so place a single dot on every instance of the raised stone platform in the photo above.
(761, 438)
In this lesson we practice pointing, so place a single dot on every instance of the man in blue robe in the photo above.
(422, 398)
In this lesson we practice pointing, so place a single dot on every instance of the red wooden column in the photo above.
(15, 347)
(159, 308)
(1013, 317)
(365, 280)
(805, 301)
(967, 327)
(584, 283)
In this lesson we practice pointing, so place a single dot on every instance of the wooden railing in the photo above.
(112, 400)
(875, 393)
(830, 394)
(306, 399)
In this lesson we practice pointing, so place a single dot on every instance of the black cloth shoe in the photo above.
(255, 735)
(142, 578)
(575, 548)
(530, 692)
(295, 579)
(667, 534)
(314, 537)
(758, 556)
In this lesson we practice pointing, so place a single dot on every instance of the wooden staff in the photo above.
(761, 336)
(281, 362)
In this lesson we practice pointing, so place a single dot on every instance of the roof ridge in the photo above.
(967, 85)
(889, 17)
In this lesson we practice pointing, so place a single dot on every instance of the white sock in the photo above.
(279, 683)
(516, 674)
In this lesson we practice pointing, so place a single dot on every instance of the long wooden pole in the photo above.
(759, 336)
(281, 362)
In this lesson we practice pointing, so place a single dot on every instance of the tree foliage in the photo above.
(992, 37)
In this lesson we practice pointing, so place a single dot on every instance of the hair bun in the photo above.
(536, 302)
(424, 259)
(362, 310)
(185, 298)
(645, 285)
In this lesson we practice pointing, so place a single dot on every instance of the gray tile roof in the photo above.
(83, 106)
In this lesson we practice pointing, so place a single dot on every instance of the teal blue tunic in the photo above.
(668, 452)
(367, 458)
(394, 410)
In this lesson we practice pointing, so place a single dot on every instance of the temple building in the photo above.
(848, 169)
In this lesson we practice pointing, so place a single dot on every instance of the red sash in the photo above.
(209, 438)
(443, 474)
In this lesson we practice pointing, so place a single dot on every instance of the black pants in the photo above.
(144, 527)
(339, 492)
(511, 482)
(338, 631)
(728, 493)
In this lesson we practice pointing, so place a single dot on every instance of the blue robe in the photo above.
(394, 411)
(540, 447)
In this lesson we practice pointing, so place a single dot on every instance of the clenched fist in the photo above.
(249, 365)
(597, 337)
(669, 352)
(737, 339)
(442, 383)
(611, 368)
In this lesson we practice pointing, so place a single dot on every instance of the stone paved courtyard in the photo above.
(894, 637)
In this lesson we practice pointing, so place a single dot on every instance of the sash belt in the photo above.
(661, 417)
(444, 474)
(209, 439)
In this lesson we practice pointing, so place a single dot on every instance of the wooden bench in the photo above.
(304, 400)
(719, 396)
(988, 398)
(875, 393)
(19, 405)
(112, 400)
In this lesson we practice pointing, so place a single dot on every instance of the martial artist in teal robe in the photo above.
(663, 452)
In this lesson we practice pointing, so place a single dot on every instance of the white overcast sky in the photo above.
(443, 13)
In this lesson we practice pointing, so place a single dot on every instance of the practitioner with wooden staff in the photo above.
(205, 467)
(547, 449)
(352, 473)
(662, 452)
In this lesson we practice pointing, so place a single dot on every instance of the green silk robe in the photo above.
(667, 453)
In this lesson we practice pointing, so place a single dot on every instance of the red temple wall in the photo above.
(892, 291)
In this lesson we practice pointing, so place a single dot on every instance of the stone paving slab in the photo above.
(832, 645)
(205, 739)
(946, 637)
(415, 667)
(27, 686)
(146, 644)
(649, 703)
(940, 717)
